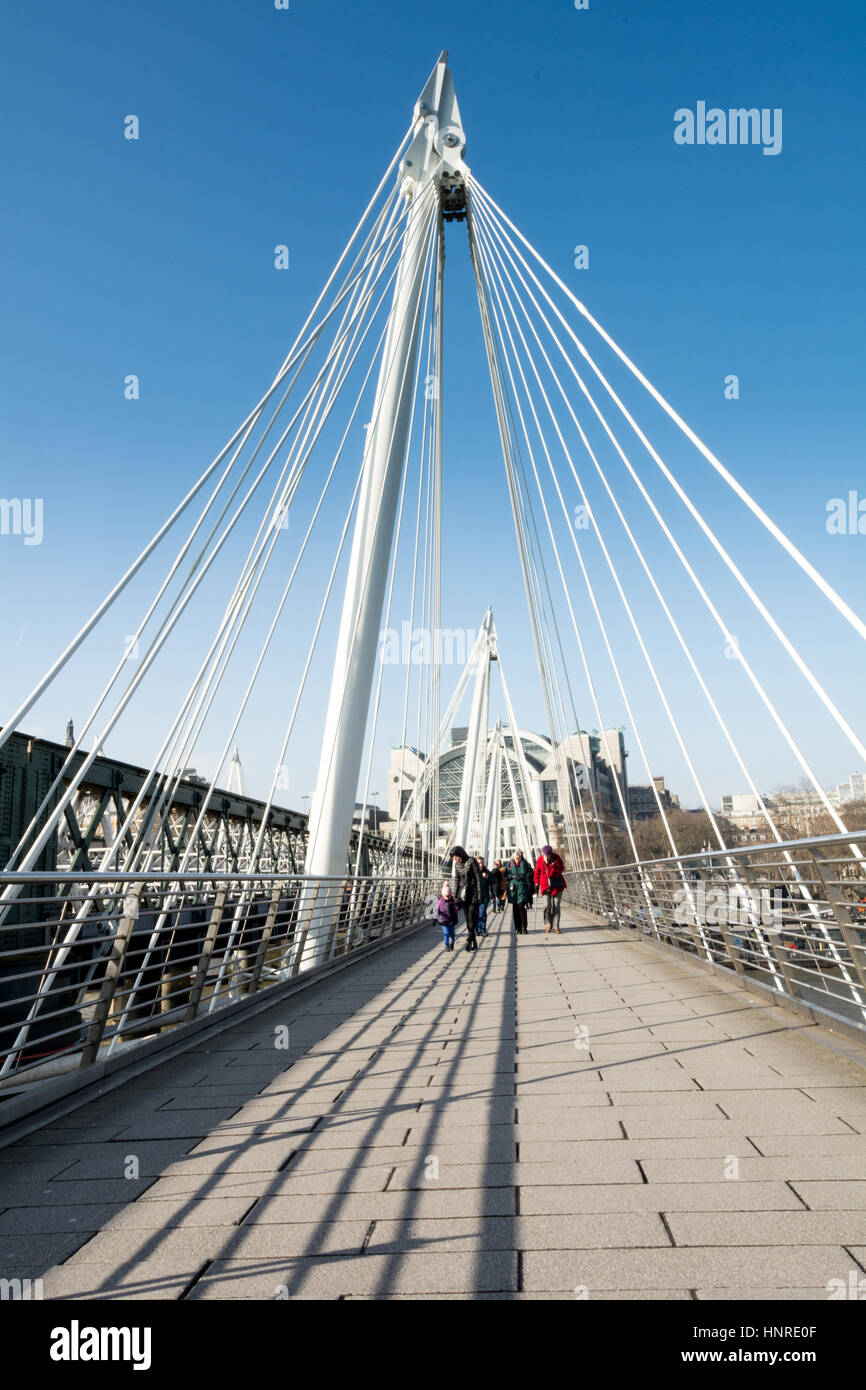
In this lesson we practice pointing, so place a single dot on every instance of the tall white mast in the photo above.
(435, 153)
(477, 735)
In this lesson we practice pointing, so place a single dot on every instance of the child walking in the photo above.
(446, 915)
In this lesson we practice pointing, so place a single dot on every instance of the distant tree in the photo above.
(853, 813)
(691, 831)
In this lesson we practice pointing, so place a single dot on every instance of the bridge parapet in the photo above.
(224, 843)
(114, 962)
(790, 916)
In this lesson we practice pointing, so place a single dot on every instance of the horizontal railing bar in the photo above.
(184, 876)
(740, 851)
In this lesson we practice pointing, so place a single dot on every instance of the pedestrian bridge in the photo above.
(583, 1116)
(235, 1062)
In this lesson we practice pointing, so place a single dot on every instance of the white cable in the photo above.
(647, 570)
(590, 590)
(793, 866)
(857, 743)
(818, 579)
(499, 398)
(182, 598)
(342, 443)
(11, 724)
(722, 626)
(589, 587)
(237, 914)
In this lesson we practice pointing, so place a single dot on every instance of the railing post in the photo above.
(332, 928)
(723, 926)
(701, 942)
(840, 912)
(266, 937)
(614, 894)
(113, 968)
(771, 955)
(203, 966)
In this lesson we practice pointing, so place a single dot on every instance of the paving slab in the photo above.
(797, 1228)
(139, 1158)
(28, 1256)
(163, 1279)
(69, 1219)
(659, 1197)
(766, 1126)
(764, 1295)
(770, 1266)
(32, 1193)
(376, 1275)
(832, 1196)
(199, 1209)
(752, 1167)
(441, 1204)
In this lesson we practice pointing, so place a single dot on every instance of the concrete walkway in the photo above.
(579, 1116)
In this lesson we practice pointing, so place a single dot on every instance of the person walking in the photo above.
(467, 891)
(550, 883)
(503, 886)
(520, 886)
(446, 915)
(485, 894)
(494, 874)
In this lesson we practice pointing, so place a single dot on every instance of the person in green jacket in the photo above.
(520, 883)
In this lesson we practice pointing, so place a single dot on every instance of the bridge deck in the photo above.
(434, 1130)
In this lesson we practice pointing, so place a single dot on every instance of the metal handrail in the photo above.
(193, 876)
(789, 915)
(84, 974)
(765, 847)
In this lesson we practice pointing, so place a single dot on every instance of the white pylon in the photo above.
(477, 734)
(522, 840)
(535, 825)
(236, 781)
(435, 153)
(492, 836)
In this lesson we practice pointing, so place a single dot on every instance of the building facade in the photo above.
(569, 784)
(643, 799)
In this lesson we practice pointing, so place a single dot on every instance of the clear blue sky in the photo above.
(261, 127)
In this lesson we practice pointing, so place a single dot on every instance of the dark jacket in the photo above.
(467, 877)
(520, 883)
(486, 889)
(495, 881)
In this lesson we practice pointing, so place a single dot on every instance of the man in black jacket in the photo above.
(496, 884)
(467, 891)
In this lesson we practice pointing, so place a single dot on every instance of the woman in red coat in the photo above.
(549, 880)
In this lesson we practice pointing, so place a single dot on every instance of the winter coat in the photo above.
(467, 881)
(446, 912)
(549, 877)
(495, 881)
(520, 883)
(486, 888)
